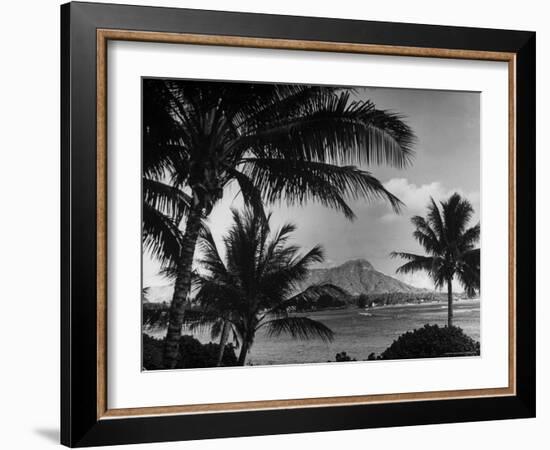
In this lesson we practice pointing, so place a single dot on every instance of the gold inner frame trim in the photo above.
(104, 35)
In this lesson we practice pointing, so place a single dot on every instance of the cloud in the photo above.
(416, 198)
(423, 280)
(418, 279)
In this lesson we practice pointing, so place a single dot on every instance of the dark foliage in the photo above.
(395, 298)
(327, 301)
(362, 301)
(319, 297)
(344, 357)
(154, 314)
(193, 354)
(431, 341)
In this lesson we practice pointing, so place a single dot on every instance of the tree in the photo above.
(214, 314)
(256, 285)
(450, 246)
(164, 205)
(363, 301)
(291, 143)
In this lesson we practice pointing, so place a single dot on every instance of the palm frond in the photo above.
(211, 259)
(251, 194)
(457, 212)
(201, 323)
(436, 221)
(216, 329)
(145, 292)
(298, 328)
(163, 137)
(472, 257)
(468, 271)
(284, 279)
(470, 237)
(426, 236)
(170, 272)
(331, 128)
(161, 236)
(278, 102)
(217, 295)
(276, 253)
(165, 198)
(297, 181)
(415, 263)
(244, 242)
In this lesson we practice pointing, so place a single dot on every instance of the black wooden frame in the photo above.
(79, 423)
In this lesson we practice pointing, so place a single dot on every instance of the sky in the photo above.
(447, 160)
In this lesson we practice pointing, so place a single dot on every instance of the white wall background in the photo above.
(29, 228)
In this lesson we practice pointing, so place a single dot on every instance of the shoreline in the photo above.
(435, 302)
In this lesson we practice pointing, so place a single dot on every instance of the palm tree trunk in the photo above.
(244, 352)
(450, 302)
(181, 288)
(223, 342)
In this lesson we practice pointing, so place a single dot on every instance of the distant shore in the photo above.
(434, 302)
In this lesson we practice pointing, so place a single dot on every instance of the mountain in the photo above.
(358, 276)
(321, 297)
(354, 277)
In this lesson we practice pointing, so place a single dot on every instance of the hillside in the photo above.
(357, 277)
(326, 296)
(354, 277)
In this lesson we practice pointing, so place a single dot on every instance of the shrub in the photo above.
(432, 341)
(328, 301)
(193, 354)
(343, 357)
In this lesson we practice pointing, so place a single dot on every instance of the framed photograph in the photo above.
(276, 224)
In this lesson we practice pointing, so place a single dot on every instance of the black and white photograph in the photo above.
(275, 225)
(292, 223)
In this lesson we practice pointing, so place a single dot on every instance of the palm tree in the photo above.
(450, 246)
(256, 285)
(164, 205)
(290, 143)
(215, 314)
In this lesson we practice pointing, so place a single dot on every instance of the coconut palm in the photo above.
(164, 205)
(450, 246)
(291, 143)
(257, 282)
(213, 314)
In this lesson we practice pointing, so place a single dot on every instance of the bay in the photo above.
(359, 332)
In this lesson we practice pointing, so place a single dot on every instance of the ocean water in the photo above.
(360, 332)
